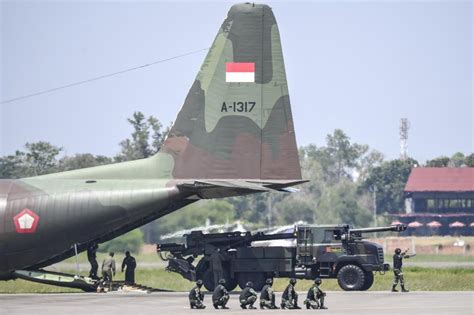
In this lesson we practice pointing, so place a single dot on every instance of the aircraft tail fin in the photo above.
(236, 120)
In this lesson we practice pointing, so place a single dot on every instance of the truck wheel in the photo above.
(369, 280)
(258, 279)
(208, 280)
(351, 278)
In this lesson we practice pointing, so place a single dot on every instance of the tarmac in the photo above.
(176, 303)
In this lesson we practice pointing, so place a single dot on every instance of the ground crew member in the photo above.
(248, 296)
(220, 296)
(108, 269)
(196, 297)
(215, 260)
(397, 269)
(267, 296)
(129, 262)
(92, 258)
(315, 296)
(289, 299)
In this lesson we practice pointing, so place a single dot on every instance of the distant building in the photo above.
(439, 201)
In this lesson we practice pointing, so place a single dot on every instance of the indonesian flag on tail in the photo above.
(240, 72)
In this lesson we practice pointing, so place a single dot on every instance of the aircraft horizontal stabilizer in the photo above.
(208, 189)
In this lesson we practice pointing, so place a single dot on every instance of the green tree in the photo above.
(137, 146)
(339, 157)
(146, 139)
(441, 161)
(457, 160)
(340, 204)
(14, 166)
(41, 156)
(344, 154)
(79, 161)
(389, 179)
(158, 134)
(469, 160)
(131, 241)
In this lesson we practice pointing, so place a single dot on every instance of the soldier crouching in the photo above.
(220, 296)
(289, 299)
(267, 296)
(315, 296)
(196, 297)
(248, 296)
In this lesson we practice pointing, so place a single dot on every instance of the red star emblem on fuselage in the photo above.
(26, 221)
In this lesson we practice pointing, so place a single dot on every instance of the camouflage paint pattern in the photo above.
(209, 153)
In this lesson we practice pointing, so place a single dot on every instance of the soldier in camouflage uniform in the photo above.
(196, 297)
(267, 296)
(397, 269)
(220, 296)
(315, 296)
(108, 270)
(248, 296)
(289, 299)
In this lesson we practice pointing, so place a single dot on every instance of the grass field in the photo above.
(417, 279)
(154, 258)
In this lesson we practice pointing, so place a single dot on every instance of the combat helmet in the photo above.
(199, 283)
(249, 284)
(398, 251)
(292, 281)
(269, 281)
(317, 281)
(222, 281)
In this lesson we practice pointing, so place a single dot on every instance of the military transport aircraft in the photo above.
(234, 135)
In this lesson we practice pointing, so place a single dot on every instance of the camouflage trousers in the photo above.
(289, 304)
(314, 304)
(196, 304)
(249, 301)
(268, 303)
(222, 301)
(398, 276)
(107, 275)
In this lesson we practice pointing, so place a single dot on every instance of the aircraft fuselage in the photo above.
(43, 219)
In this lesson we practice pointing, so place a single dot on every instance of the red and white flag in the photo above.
(240, 72)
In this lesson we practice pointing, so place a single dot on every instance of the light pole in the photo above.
(374, 192)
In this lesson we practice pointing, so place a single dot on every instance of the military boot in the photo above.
(393, 288)
(404, 290)
(322, 307)
(243, 306)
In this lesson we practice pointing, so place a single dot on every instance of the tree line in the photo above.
(343, 176)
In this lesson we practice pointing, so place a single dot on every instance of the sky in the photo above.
(359, 66)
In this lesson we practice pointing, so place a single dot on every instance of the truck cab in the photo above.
(334, 251)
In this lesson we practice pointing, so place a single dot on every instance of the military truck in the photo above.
(325, 251)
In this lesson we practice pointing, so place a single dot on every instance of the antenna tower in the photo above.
(404, 126)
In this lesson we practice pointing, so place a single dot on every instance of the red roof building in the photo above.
(441, 179)
(444, 194)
